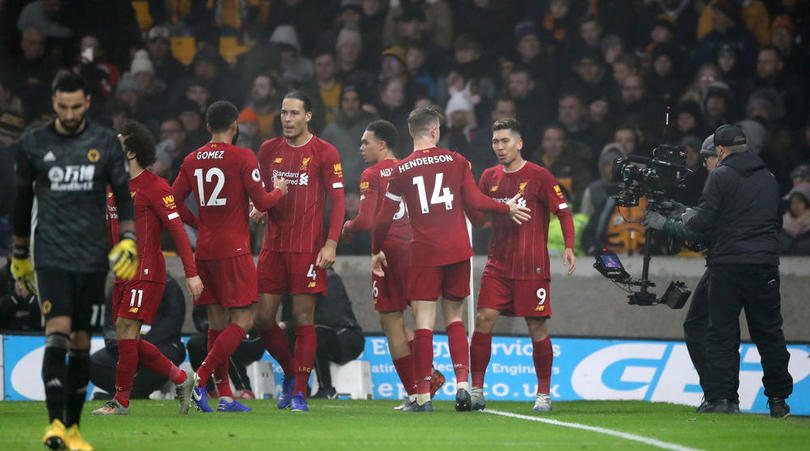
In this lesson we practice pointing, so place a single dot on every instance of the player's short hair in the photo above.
(299, 95)
(138, 140)
(422, 119)
(506, 124)
(69, 82)
(384, 131)
(220, 115)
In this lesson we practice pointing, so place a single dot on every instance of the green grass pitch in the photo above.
(361, 425)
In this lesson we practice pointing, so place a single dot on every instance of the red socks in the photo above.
(404, 366)
(543, 358)
(459, 350)
(225, 344)
(422, 359)
(151, 357)
(221, 379)
(480, 352)
(125, 369)
(306, 343)
(275, 341)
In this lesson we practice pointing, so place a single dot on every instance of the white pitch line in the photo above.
(624, 435)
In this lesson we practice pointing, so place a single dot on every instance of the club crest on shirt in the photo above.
(493, 189)
(133, 310)
(93, 155)
(132, 193)
(305, 163)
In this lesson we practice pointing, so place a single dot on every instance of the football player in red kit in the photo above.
(224, 178)
(295, 254)
(135, 302)
(389, 292)
(516, 278)
(429, 181)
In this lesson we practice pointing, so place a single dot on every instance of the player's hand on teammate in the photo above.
(280, 183)
(124, 257)
(259, 217)
(195, 286)
(377, 263)
(345, 234)
(518, 213)
(22, 270)
(569, 258)
(326, 256)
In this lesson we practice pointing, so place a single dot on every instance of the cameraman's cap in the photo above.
(729, 135)
(707, 148)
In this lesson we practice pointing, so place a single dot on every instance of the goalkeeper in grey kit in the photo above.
(67, 165)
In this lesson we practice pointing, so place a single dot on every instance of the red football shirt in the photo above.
(312, 172)
(373, 184)
(154, 209)
(436, 185)
(224, 178)
(520, 251)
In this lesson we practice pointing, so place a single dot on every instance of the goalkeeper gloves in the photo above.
(22, 270)
(124, 257)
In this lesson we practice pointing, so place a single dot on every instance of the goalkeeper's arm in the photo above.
(124, 255)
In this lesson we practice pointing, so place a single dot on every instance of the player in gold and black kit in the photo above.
(67, 165)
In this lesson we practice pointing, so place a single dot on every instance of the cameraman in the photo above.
(738, 212)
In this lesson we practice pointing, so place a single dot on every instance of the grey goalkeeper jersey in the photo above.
(69, 176)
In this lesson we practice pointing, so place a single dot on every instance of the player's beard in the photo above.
(74, 126)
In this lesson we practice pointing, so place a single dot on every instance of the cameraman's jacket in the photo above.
(739, 210)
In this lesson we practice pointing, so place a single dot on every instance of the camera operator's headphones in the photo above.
(707, 148)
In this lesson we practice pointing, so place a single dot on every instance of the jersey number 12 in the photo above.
(214, 200)
(441, 194)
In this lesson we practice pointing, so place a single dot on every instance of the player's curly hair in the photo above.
(69, 82)
(384, 131)
(221, 115)
(139, 141)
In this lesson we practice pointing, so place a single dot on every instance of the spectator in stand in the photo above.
(435, 20)
(172, 140)
(190, 116)
(103, 75)
(681, 13)
(719, 106)
(210, 69)
(118, 112)
(611, 46)
(19, 308)
(752, 13)
(635, 107)
(691, 193)
(795, 236)
(294, 66)
(418, 72)
(771, 73)
(349, 46)
(572, 115)
(531, 103)
(689, 119)
(663, 83)
(800, 155)
(9, 102)
(43, 15)
(590, 76)
(565, 159)
(629, 139)
(345, 132)
(726, 29)
(731, 70)
(623, 66)
(590, 34)
(33, 73)
(198, 91)
(559, 26)
(166, 66)
(260, 58)
(774, 140)
(327, 85)
(529, 52)
(467, 62)
(263, 105)
(783, 37)
(480, 154)
(461, 122)
(704, 77)
(152, 90)
(393, 108)
(11, 128)
(597, 192)
(599, 114)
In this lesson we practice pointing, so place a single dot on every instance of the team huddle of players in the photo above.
(415, 209)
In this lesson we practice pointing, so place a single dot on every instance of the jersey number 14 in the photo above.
(441, 194)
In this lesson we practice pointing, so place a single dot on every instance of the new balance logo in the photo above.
(49, 156)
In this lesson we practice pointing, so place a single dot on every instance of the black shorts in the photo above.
(71, 293)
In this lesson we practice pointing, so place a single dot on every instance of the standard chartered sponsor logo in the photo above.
(74, 177)
(293, 178)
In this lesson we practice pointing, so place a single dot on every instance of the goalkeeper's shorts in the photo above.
(73, 294)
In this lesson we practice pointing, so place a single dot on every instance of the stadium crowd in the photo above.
(591, 80)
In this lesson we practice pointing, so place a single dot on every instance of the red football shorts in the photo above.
(451, 282)
(513, 297)
(390, 292)
(229, 282)
(290, 273)
(136, 299)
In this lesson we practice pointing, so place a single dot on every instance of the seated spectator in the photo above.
(693, 189)
(590, 78)
(596, 193)
(33, 73)
(340, 338)
(345, 134)
(101, 74)
(418, 71)
(9, 102)
(611, 47)
(263, 104)
(11, 128)
(629, 140)
(19, 309)
(164, 333)
(704, 77)
(681, 14)
(166, 66)
(461, 122)
(172, 141)
(481, 155)
(663, 82)
(348, 47)
(118, 113)
(191, 117)
(294, 66)
(635, 107)
(731, 70)
(565, 159)
(326, 83)
(407, 20)
(689, 119)
(590, 34)
(726, 29)
(572, 115)
(393, 108)
(771, 74)
(529, 52)
(752, 13)
(719, 106)
(250, 350)
(783, 37)
(795, 236)
(531, 103)
(44, 15)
